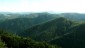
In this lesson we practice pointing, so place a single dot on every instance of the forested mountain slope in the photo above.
(8, 40)
(74, 39)
(49, 30)
(19, 24)
(66, 30)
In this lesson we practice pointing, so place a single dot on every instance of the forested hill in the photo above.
(49, 30)
(75, 38)
(21, 23)
(8, 40)
(17, 22)
(60, 31)
(46, 30)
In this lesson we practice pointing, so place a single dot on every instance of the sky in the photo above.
(58, 6)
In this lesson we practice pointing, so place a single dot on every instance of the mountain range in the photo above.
(65, 30)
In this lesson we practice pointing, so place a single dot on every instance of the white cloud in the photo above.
(44, 5)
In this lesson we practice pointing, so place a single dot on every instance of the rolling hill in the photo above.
(22, 22)
(48, 30)
(74, 39)
(66, 30)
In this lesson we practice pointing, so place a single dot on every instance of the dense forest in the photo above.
(42, 30)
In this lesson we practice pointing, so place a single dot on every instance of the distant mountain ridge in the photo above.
(71, 16)
(49, 30)
(67, 30)
(23, 22)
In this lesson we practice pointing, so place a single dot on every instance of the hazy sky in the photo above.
(42, 6)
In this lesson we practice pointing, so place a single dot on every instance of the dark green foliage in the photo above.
(2, 45)
(60, 31)
(49, 30)
(42, 27)
(13, 41)
(74, 39)
(22, 22)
